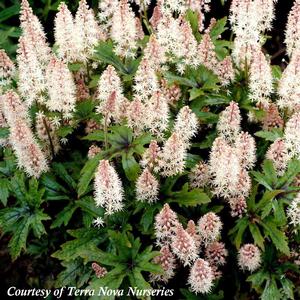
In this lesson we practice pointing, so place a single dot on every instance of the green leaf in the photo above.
(261, 179)
(272, 135)
(257, 279)
(188, 198)
(96, 135)
(211, 99)
(148, 217)
(4, 132)
(218, 28)
(267, 198)
(131, 167)
(64, 131)
(288, 288)
(61, 172)
(84, 109)
(104, 52)
(87, 174)
(4, 190)
(36, 223)
(241, 226)
(64, 216)
(171, 78)
(276, 71)
(9, 12)
(269, 172)
(87, 204)
(137, 280)
(257, 237)
(84, 238)
(277, 236)
(74, 67)
(271, 291)
(18, 240)
(192, 17)
(74, 269)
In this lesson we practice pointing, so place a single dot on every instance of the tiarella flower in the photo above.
(34, 34)
(245, 145)
(278, 154)
(66, 37)
(110, 93)
(123, 30)
(139, 29)
(154, 53)
(109, 82)
(106, 11)
(7, 69)
(292, 135)
(3, 124)
(183, 246)
(98, 222)
(30, 157)
(267, 8)
(158, 114)
(238, 206)
(145, 80)
(172, 157)
(82, 90)
(171, 6)
(175, 36)
(165, 224)
(93, 151)
(171, 92)
(260, 78)
(248, 25)
(293, 212)
(167, 261)
(99, 271)
(225, 71)
(61, 88)
(207, 55)
(292, 39)
(13, 108)
(229, 123)
(31, 84)
(108, 188)
(189, 47)
(249, 257)
(147, 187)
(191, 229)
(92, 125)
(201, 277)
(46, 133)
(272, 118)
(156, 16)
(225, 168)
(199, 176)
(186, 124)
(209, 227)
(150, 156)
(216, 254)
(200, 6)
(289, 84)
(87, 29)
(136, 116)
(243, 187)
